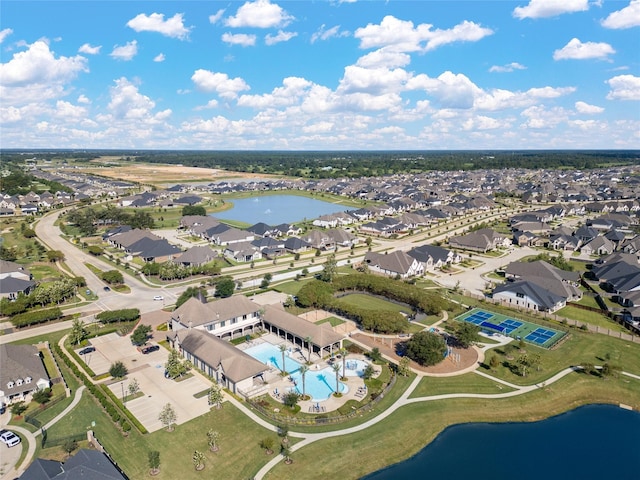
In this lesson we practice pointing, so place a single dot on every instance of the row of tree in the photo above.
(88, 219)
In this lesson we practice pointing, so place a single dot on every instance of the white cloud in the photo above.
(293, 88)
(159, 58)
(624, 87)
(326, 34)
(449, 89)
(259, 14)
(540, 117)
(83, 99)
(215, 18)
(582, 107)
(508, 68)
(242, 39)
(372, 80)
(213, 103)
(550, 8)
(172, 27)
(281, 36)
(402, 36)
(68, 111)
(219, 82)
(125, 52)
(318, 127)
(89, 50)
(628, 17)
(481, 122)
(38, 65)
(384, 58)
(127, 103)
(576, 50)
(4, 33)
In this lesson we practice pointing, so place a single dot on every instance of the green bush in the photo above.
(36, 317)
(124, 315)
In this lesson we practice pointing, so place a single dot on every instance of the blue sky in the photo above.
(320, 75)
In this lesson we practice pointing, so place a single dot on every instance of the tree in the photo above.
(215, 395)
(494, 362)
(309, 341)
(375, 354)
(140, 335)
(336, 369)
(55, 256)
(610, 370)
(535, 361)
(134, 387)
(403, 366)
(198, 460)
(267, 443)
(225, 287)
(303, 373)
(523, 364)
(168, 417)
(426, 348)
(290, 399)
(283, 348)
(154, 462)
(266, 280)
(467, 334)
(285, 451)
(78, 333)
(18, 408)
(343, 353)
(368, 372)
(113, 277)
(329, 269)
(175, 367)
(69, 446)
(118, 370)
(197, 210)
(283, 432)
(212, 440)
(42, 396)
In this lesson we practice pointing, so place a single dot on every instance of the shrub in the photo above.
(35, 317)
(124, 315)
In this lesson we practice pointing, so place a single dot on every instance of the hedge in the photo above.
(99, 394)
(124, 315)
(36, 317)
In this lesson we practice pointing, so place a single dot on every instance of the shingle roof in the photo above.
(197, 313)
(541, 296)
(20, 362)
(321, 336)
(215, 352)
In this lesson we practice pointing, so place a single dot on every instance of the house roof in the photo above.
(538, 294)
(20, 362)
(41, 469)
(396, 261)
(236, 364)
(15, 285)
(423, 252)
(323, 336)
(197, 255)
(197, 313)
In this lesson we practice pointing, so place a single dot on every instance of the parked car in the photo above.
(106, 289)
(158, 297)
(86, 350)
(144, 349)
(9, 438)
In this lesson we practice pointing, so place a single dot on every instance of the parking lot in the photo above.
(148, 370)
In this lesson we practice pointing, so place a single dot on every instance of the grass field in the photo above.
(594, 318)
(467, 383)
(373, 303)
(408, 430)
(333, 321)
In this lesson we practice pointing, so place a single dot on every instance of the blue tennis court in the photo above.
(509, 325)
(479, 317)
(540, 336)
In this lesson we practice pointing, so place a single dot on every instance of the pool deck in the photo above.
(276, 382)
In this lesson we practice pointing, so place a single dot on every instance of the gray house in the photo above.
(21, 372)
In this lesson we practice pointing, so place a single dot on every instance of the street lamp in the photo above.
(124, 399)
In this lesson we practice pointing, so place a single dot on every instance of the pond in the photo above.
(277, 209)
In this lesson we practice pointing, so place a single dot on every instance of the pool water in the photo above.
(319, 384)
(354, 368)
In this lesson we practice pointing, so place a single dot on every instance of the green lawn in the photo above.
(44, 272)
(292, 287)
(594, 318)
(467, 383)
(408, 430)
(370, 302)
(333, 321)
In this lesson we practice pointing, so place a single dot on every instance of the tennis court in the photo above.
(491, 322)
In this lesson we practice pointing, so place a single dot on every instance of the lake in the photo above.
(276, 209)
(591, 442)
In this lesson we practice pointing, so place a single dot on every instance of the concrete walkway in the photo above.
(31, 437)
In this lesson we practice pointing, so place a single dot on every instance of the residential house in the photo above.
(600, 245)
(482, 240)
(342, 238)
(196, 256)
(14, 279)
(319, 240)
(529, 295)
(229, 235)
(242, 252)
(84, 464)
(296, 245)
(395, 264)
(560, 282)
(21, 372)
(619, 273)
(433, 257)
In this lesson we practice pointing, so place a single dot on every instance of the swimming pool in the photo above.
(319, 384)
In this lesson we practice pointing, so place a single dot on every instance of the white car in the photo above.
(9, 438)
(158, 297)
